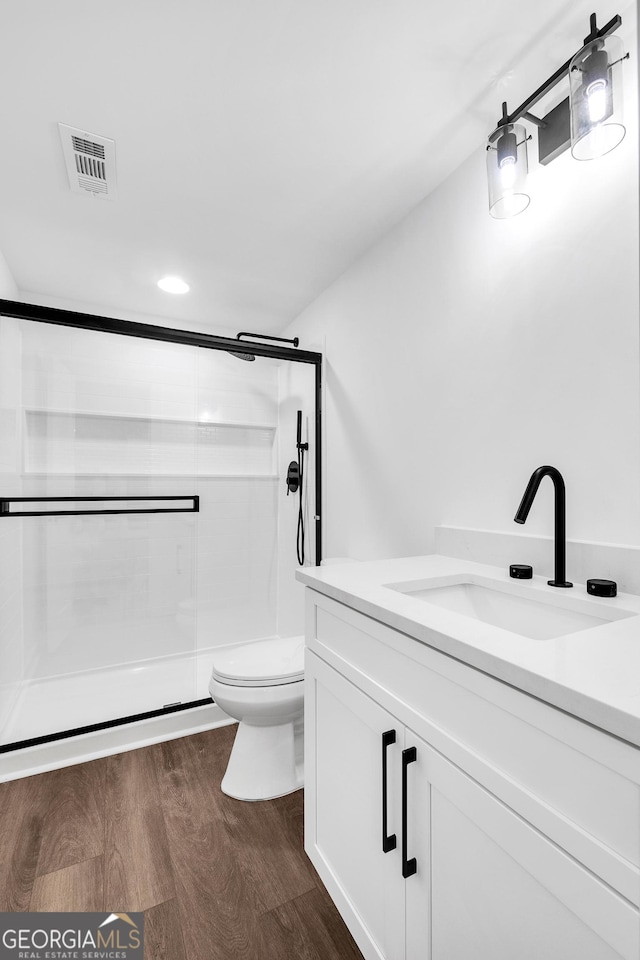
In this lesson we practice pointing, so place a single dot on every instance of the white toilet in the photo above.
(261, 684)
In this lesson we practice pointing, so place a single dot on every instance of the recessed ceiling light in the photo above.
(173, 285)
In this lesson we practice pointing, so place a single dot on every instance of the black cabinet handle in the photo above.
(388, 842)
(409, 867)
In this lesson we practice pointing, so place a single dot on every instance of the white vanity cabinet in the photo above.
(524, 823)
(347, 816)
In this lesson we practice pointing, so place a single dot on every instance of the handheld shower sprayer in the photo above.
(295, 477)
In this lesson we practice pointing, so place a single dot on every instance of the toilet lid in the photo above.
(263, 663)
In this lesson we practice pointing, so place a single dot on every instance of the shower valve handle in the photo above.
(293, 477)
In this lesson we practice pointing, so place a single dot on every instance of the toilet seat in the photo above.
(265, 663)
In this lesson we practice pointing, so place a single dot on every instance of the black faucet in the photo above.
(559, 579)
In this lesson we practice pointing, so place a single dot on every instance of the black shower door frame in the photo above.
(149, 331)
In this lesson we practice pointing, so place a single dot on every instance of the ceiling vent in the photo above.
(91, 162)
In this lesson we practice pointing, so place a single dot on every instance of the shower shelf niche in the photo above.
(151, 418)
(64, 442)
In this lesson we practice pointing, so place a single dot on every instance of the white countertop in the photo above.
(593, 674)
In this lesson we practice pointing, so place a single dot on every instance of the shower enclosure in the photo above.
(144, 517)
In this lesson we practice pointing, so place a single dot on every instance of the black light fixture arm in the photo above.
(536, 121)
(563, 71)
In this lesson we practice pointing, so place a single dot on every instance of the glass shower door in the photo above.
(248, 527)
(97, 588)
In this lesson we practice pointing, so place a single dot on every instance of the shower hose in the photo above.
(300, 532)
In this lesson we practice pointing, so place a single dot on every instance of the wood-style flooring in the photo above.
(150, 830)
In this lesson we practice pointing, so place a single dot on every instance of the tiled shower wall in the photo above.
(237, 561)
(108, 415)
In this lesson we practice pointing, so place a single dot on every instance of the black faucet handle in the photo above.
(602, 588)
(521, 571)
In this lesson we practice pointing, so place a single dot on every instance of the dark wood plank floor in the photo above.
(150, 830)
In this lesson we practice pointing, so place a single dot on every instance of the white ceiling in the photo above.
(261, 145)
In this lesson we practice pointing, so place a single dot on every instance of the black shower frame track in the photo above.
(148, 331)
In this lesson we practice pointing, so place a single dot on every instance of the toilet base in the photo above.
(265, 763)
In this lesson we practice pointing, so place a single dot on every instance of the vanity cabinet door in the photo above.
(343, 808)
(499, 889)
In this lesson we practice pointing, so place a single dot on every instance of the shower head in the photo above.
(242, 356)
(258, 336)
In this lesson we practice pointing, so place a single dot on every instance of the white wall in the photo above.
(463, 352)
(8, 286)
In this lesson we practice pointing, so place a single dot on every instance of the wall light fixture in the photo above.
(507, 169)
(589, 120)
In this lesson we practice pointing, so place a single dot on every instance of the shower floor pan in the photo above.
(122, 691)
(114, 693)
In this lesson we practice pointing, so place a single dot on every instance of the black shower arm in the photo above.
(259, 336)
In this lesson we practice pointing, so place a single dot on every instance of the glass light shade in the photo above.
(596, 98)
(507, 171)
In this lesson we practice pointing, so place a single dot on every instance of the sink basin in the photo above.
(496, 604)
